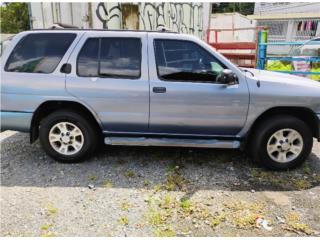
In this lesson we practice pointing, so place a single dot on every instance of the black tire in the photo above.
(89, 132)
(267, 128)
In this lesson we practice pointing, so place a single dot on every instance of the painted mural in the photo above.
(178, 17)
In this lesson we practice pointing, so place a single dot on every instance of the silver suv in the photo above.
(75, 89)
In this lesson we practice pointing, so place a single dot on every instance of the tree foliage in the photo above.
(245, 8)
(14, 17)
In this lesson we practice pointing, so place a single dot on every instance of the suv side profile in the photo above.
(75, 89)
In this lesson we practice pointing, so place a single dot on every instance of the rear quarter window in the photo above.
(39, 52)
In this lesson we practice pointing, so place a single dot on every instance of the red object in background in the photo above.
(240, 59)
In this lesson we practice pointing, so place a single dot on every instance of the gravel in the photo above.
(153, 191)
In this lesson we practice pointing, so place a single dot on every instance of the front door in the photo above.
(184, 95)
(108, 76)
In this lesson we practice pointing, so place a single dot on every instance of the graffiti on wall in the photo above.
(106, 14)
(178, 17)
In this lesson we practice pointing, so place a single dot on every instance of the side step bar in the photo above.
(172, 142)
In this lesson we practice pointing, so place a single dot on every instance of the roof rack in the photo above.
(164, 29)
(62, 26)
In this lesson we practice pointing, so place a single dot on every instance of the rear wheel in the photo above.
(282, 142)
(67, 136)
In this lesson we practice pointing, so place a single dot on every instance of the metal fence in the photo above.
(264, 57)
(289, 30)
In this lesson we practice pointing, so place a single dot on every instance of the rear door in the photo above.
(109, 75)
(185, 98)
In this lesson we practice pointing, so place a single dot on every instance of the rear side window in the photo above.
(110, 58)
(39, 52)
(88, 59)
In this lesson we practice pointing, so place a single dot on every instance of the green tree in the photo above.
(245, 8)
(14, 17)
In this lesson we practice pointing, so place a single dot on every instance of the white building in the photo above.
(263, 8)
(191, 18)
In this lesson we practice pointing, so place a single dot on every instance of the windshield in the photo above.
(309, 49)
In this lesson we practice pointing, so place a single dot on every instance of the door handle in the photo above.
(159, 89)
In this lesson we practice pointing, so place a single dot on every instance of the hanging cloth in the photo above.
(304, 26)
(310, 25)
(317, 23)
(299, 26)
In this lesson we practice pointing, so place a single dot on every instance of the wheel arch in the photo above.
(47, 107)
(302, 113)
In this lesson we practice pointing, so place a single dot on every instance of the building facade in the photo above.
(263, 8)
(190, 18)
(288, 22)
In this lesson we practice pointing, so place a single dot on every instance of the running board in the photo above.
(172, 142)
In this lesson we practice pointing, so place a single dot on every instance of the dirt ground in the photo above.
(154, 191)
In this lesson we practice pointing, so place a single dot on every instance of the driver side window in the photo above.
(185, 61)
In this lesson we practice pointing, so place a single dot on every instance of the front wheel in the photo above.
(67, 136)
(282, 142)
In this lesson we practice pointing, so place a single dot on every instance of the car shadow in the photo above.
(157, 168)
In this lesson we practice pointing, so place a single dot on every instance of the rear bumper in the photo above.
(16, 121)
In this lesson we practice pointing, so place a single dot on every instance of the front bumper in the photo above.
(318, 115)
(16, 121)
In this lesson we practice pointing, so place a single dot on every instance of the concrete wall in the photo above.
(180, 17)
(232, 21)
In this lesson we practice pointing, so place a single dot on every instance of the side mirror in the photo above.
(227, 77)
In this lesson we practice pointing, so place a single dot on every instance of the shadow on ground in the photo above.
(158, 168)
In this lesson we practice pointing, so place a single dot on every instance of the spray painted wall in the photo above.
(191, 18)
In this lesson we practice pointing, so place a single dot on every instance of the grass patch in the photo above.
(166, 201)
(301, 184)
(306, 168)
(146, 182)
(123, 220)
(130, 174)
(242, 214)
(48, 234)
(175, 182)
(92, 177)
(157, 188)
(294, 224)
(156, 218)
(217, 219)
(51, 210)
(166, 231)
(186, 205)
(108, 184)
(46, 227)
(125, 206)
(286, 180)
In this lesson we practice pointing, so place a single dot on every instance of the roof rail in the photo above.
(74, 28)
(163, 29)
(62, 26)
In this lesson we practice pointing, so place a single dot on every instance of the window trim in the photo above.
(99, 59)
(21, 41)
(186, 81)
